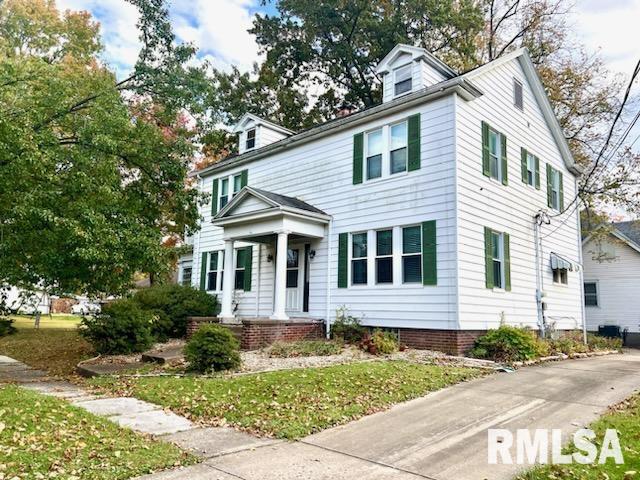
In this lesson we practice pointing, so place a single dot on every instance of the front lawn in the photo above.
(625, 418)
(56, 320)
(44, 437)
(292, 403)
(53, 350)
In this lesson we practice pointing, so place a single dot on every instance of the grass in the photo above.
(292, 403)
(56, 351)
(305, 348)
(44, 437)
(56, 320)
(625, 418)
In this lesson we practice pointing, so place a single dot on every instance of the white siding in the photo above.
(486, 202)
(618, 281)
(320, 173)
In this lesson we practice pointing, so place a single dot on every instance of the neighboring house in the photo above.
(27, 302)
(416, 214)
(612, 279)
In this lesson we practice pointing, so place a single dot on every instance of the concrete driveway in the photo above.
(442, 436)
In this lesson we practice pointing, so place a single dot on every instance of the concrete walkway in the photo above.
(442, 436)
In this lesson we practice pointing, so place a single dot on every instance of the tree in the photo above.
(92, 169)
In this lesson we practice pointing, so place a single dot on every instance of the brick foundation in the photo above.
(453, 342)
(259, 333)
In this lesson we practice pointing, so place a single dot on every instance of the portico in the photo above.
(261, 217)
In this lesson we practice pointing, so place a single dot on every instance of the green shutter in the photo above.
(343, 246)
(488, 258)
(248, 264)
(429, 256)
(561, 193)
(413, 149)
(549, 186)
(203, 271)
(505, 165)
(358, 153)
(523, 165)
(486, 170)
(537, 161)
(507, 263)
(214, 197)
(244, 178)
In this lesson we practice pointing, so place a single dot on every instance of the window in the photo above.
(591, 294)
(251, 139)
(359, 258)
(241, 261)
(517, 94)
(495, 155)
(531, 170)
(412, 254)
(561, 276)
(497, 256)
(555, 189)
(185, 279)
(214, 273)
(374, 154)
(237, 183)
(224, 192)
(402, 80)
(384, 256)
(398, 154)
(293, 260)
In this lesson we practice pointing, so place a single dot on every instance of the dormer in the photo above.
(408, 69)
(255, 132)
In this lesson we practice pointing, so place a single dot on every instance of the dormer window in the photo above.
(251, 139)
(402, 80)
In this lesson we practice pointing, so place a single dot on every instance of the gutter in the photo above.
(463, 87)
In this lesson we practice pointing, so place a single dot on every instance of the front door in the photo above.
(295, 278)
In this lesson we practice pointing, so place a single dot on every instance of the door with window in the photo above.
(295, 278)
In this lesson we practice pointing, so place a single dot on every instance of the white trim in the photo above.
(238, 127)
(416, 53)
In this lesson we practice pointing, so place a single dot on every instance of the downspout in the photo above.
(538, 219)
(328, 308)
(582, 307)
(194, 259)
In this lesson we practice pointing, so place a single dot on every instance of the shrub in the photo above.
(6, 327)
(172, 304)
(569, 344)
(305, 348)
(212, 347)
(346, 327)
(596, 342)
(380, 343)
(121, 328)
(507, 344)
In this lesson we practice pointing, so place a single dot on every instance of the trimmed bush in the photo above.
(212, 347)
(304, 348)
(121, 328)
(172, 304)
(380, 343)
(347, 327)
(507, 344)
(6, 327)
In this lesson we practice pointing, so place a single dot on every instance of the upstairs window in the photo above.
(224, 192)
(237, 183)
(402, 80)
(531, 169)
(412, 254)
(384, 256)
(518, 100)
(591, 294)
(398, 154)
(359, 258)
(251, 139)
(374, 154)
(554, 189)
(495, 155)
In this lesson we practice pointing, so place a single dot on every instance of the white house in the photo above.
(418, 214)
(612, 279)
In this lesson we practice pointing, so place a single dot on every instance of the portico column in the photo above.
(280, 298)
(226, 312)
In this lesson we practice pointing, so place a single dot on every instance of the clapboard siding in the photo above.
(486, 202)
(320, 173)
(618, 282)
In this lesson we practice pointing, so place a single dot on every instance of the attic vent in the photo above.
(517, 95)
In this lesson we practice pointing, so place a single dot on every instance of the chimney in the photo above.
(345, 110)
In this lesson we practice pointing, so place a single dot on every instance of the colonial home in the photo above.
(612, 280)
(437, 214)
